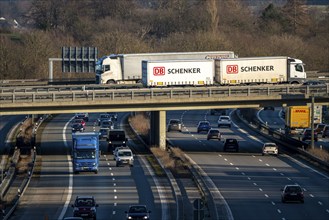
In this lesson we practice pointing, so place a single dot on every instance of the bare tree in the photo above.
(212, 7)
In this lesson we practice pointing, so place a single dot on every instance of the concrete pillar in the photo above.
(158, 129)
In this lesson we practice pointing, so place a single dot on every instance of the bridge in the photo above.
(72, 99)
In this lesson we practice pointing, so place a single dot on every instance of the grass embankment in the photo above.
(320, 153)
(172, 159)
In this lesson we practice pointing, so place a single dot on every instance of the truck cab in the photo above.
(85, 152)
(108, 70)
(296, 70)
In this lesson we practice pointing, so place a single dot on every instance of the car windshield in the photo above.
(224, 118)
(137, 209)
(270, 145)
(85, 202)
(117, 136)
(214, 131)
(174, 122)
(293, 189)
(204, 123)
(84, 154)
(124, 153)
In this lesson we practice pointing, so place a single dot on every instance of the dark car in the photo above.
(84, 116)
(307, 134)
(77, 127)
(231, 144)
(85, 206)
(214, 134)
(203, 126)
(138, 212)
(319, 128)
(313, 83)
(79, 121)
(174, 125)
(292, 193)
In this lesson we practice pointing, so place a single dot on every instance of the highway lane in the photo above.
(7, 123)
(249, 182)
(51, 193)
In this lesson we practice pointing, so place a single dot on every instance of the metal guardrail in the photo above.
(162, 93)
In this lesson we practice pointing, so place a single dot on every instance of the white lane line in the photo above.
(274, 169)
(114, 184)
(237, 168)
(273, 203)
(255, 184)
(288, 178)
(279, 211)
(70, 187)
(161, 190)
(115, 204)
(112, 174)
(225, 159)
(260, 160)
(115, 197)
(267, 164)
(327, 210)
(243, 173)
(249, 178)
(260, 189)
(320, 203)
(113, 178)
(281, 174)
(266, 196)
(113, 213)
(311, 195)
(115, 190)
(108, 164)
(231, 164)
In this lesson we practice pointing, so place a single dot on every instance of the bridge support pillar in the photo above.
(158, 129)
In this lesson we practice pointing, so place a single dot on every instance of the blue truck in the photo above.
(85, 152)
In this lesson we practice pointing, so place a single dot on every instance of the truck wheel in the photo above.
(96, 171)
(111, 81)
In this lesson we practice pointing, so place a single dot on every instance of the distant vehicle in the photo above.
(203, 126)
(116, 138)
(297, 118)
(307, 134)
(84, 116)
(137, 212)
(103, 133)
(103, 117)
(319, 128)
(124, 156)
(313, 83)
(270, 148)
(231, 144)
(85, 206)
(113, 116)
(85, 152)
(214, 134)
(218, 111)
(325, 131)
(292, 193)
(269, 108)
(174, 125)
(77, 127)
(79, 121)
(117, 149)
(224, 120)
(107, 124)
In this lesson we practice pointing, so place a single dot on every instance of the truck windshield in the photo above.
(85, 154)
(117, 137)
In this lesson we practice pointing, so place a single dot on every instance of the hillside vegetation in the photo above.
(133, 26)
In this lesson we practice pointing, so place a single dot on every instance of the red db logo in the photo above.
(232, 69)
(159, 71)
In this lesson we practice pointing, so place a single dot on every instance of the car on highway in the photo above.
(319, 128)
(107, 124)
(84, 116)
(116, 150)
(325, 131)
(85, 206)
(231, 144)
(292, 193)
(224, 120)
(270, 148)
(79, 121)
(203, 126)
(124, 157)
(214, 134)
(174, 125)
(102, 117)
(307, 134)
(137, 212)
(77, 127)
(103, 133)
(269, 108)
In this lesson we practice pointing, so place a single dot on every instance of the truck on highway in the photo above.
(297, 118)
(85, 152)
(127, 68)
(116, 138)
(227, 71)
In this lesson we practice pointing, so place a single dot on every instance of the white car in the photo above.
(224, 120)
(270, 148)
(124, 157)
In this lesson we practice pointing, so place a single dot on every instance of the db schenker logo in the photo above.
(232, 69)
(159, 71)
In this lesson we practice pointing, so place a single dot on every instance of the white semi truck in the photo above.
(127, 68)
(231, 71)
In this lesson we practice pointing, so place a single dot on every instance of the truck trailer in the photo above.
(177, 72)
(236, 71)
(297, 118)
(127, 68)
(85, 152)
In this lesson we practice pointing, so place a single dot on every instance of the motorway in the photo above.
(249, 183)
(50, 194)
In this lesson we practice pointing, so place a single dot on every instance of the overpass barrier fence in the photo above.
(162, 93)
(283, 139)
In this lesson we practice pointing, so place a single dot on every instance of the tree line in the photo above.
(135, 26)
